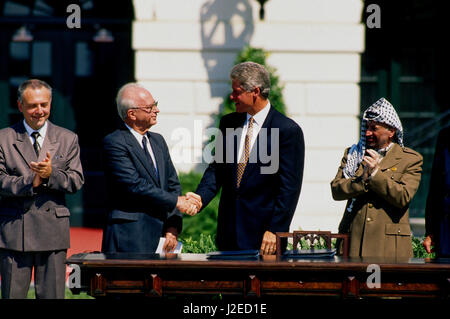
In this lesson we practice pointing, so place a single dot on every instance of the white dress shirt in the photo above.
(42, 131)
(139, 137)
(258, 120)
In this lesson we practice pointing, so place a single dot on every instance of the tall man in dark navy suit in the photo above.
(258, 165)
(143, 189)
(437, 212)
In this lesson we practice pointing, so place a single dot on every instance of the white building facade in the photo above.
(184, 51)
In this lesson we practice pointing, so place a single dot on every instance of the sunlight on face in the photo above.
(35, 106)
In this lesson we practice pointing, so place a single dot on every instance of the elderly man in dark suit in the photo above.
(144, 194)
(39, 164)
(259, 191)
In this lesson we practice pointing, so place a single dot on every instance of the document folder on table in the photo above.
(234, 254)
(310, 253)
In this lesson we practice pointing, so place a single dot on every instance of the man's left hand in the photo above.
(427, 243)
(269, 244)
(171, 242)
(43, 168)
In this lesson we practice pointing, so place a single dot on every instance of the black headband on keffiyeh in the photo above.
(383, 112)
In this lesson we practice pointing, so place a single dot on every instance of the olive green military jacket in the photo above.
(378, 223)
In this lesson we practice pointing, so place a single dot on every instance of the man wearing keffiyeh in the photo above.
(379, 177)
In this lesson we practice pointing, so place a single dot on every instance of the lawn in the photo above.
(69, 295)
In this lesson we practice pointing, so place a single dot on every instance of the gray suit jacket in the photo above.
(37, 219)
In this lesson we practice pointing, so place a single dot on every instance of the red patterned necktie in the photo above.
(245, 155)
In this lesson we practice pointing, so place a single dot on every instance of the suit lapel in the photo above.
(23, 144)
(139, 152)
(252, 164)
(50, 143)
(159, 158)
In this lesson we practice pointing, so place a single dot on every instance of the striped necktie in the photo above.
(36, 146)
(245, 155)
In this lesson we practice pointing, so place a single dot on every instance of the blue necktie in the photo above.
(147, 154)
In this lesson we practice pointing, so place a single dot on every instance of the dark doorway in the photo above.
(405, 62)
(85, 66)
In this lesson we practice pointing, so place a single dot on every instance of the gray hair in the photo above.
(252, 75)
(124, 104)
(33, 84)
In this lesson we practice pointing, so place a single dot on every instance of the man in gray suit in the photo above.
(39, 164)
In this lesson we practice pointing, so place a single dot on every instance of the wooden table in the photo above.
(189, 274)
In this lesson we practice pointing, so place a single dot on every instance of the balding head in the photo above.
(136, 107)
(130, 95)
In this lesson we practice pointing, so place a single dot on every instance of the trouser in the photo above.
(49, 273)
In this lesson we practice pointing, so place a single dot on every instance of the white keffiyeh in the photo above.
(383, 112)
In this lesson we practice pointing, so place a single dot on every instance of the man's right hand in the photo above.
(43, 168)
(186, 206)
(195, 198)
(37, 180)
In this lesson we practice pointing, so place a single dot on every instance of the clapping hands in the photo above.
(42, 169)
(189, 204)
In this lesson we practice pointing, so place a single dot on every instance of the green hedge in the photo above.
(204, 244)
(418, 249)
(201, 228)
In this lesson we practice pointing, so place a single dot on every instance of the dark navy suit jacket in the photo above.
(263, 201)
(141, 204)
(437, 214)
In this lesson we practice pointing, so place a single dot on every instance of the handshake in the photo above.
(189, 204)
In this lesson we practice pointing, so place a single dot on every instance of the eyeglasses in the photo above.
(148, 109)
